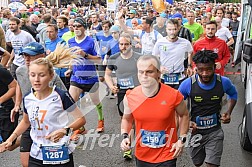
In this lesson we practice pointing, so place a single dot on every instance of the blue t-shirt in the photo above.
(228, 87)
(84, 71)
(51, 45)
(62, 31)
(102, 41)
(113, 46)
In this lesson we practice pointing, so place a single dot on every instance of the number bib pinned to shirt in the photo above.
(126, 83)
(206, 122)
(153, 139)
(55, 154)
(171, 78)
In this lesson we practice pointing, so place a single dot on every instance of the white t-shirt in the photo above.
(172, 54)
(46, 116)
(223, 33)
(18, 42)
(225, 22)
(148, 40)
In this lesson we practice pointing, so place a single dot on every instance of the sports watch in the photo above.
(182, 138)
(67, 130)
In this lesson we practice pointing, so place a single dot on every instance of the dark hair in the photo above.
(172, 21)
(47, 18)
(106, 22)
(54, 11)
(148, 20)
(205, 56)
(15, 19)
(212, 22)
(223, 11)
(54, 26)
(64, 18)
(235, 13)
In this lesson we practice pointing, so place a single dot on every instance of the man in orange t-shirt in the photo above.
(153, 106)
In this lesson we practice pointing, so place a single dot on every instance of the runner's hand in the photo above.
(80, 52)
(56, 135)
(14, 111)
(4, 146)
(68, 73)
(125, 144)
(114, 89)
(178, 147)
(218, 65)
(225, 118)
(193, 125)
(189, 71)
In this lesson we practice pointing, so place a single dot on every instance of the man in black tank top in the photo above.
(205, 90)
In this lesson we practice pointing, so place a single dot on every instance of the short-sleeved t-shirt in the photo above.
(224, 34)
(172, 54)
(121, 66)
(153, 115)
(18, 42)
(195, 29)
(148, 40)
(84, 71)
(46, 116)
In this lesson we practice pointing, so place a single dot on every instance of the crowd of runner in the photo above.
(150, 61)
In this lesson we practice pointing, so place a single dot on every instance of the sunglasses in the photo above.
(78, 26)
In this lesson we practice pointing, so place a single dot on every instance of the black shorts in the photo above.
(26, 141)
(33, 162)
(120, 97)
(6, 126)
(101, 70)
(169, 163)
(91, 88)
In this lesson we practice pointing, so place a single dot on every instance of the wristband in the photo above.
(189, 65)
(125, 135)
(86, 55)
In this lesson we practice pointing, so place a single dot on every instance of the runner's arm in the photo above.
(183, 117)
(5, 58)
(10, 93)
(127, 118)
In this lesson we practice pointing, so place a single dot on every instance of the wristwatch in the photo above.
(67, 130)
(125, 135)
(182, 138)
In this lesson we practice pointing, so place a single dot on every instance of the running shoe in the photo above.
(127, 155)
(100, 127)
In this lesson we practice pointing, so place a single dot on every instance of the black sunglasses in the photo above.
(78, 26)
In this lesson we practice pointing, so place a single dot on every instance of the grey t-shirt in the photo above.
(125, 69)
(25, 84)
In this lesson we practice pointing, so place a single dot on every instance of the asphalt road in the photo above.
(100, 150)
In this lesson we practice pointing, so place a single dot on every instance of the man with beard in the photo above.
(126, 77)
(211, 42)
(18, 39)
(84, 77)
(172, 51)
(206, 89)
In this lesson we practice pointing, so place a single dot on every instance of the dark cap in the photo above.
(33, 49)
(81, 21)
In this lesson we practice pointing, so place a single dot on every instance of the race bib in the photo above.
(55, 154)
(153, 139)
(171, 79)
(126, 83)
(206, 122)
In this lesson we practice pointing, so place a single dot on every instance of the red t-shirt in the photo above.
(154, 115)
(217, 45)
